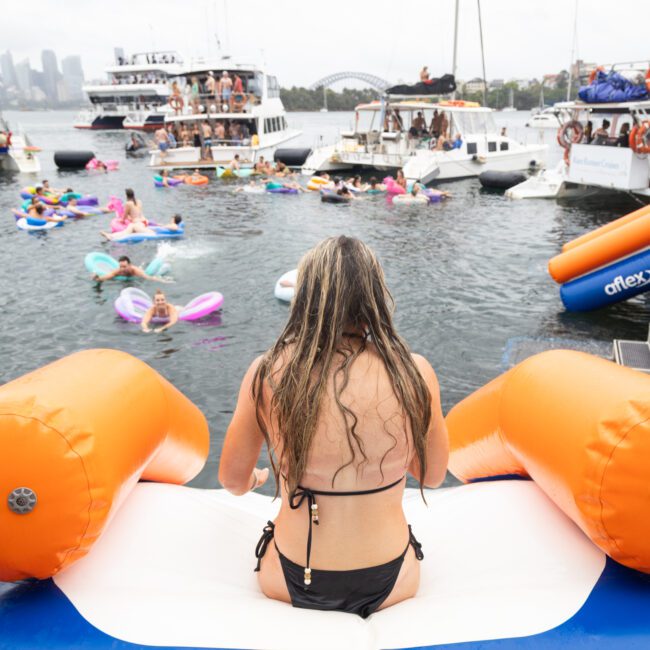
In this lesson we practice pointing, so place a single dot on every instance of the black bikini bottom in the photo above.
(358, 591)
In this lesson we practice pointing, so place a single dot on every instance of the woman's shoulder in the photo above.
(425, 368)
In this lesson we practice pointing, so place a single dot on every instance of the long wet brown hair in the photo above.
(340, 289)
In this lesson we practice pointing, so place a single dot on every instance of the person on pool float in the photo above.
(36, 210)
(345, 193)
(162, 311)
(173, 225)
(79, 212)
(346, 410)
(376, 186)
(125, 269)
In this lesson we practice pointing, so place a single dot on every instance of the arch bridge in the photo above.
(370, 79)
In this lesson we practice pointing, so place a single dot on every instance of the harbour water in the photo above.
(468, 276)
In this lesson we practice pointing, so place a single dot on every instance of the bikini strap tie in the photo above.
(265, 540)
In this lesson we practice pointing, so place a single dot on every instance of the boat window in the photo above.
(504, 146)
(492, 147)
(273, 86)
(364, 121)
(472, 148)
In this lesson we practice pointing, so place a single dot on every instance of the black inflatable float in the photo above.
(330, 196)
(291, 157)
(72, 159)
(501, 180)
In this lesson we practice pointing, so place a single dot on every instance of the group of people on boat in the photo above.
(204, 135)
(217, 93)
(602, 135)
(437, 132)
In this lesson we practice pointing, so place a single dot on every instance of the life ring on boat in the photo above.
(459, 102)
(570, 133)
(647, 80)
(639, 138)
(594, 72)
(177, 103)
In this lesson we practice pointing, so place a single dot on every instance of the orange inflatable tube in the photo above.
(579, 426)
(608, 227)
(78, 434)
(625, 240)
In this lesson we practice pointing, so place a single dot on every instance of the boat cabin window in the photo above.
(273, 124)
(504, 146)
(273, 87)
(472, 148)
(492, 147)
(236, 131)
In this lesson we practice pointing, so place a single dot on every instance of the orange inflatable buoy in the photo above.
(579, 426)
(200, 180)
(647, 80)
(77, 435)
(594, 72)
(640, 137)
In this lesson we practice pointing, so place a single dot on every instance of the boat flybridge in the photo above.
(617, 161)
(388, 135)
(135, 95)
(253, 119)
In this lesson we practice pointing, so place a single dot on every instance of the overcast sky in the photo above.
(302, 41)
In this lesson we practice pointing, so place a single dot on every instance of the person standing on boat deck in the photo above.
(504, 133)
(588, 136)
(424, 74)
(226, 89)
(211, 88)
(419, 124)
(444, 125)
(206, 131)
(195, 95)
(601, 134)
(162, 140)
(171, 137)
(387, 120)
(623, 139)
(346, 410)
(435, 124)
(219, 132)
(397, 121)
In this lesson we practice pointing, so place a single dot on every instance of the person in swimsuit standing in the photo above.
(346, 412)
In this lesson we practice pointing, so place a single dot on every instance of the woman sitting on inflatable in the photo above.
(161, 312)
(36, 210)
(345, 410)
(174, 225)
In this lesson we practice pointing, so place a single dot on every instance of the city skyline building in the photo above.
(51, 75)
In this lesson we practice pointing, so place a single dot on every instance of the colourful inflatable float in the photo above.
(509, 564)
(607, 265)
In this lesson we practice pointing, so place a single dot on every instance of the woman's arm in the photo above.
(173, 319)
(146, 319)
(437, 450)
(243, 443)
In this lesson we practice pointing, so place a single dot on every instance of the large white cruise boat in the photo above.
(135, 95)
(253, 118)
(388, 135)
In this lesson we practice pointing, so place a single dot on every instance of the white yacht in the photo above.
(548, 118)
(254, 119)
(616, 162)
(16, 151)
(386, 137)
(135, 95)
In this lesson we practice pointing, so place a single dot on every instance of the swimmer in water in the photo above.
(36, 210)
(164, 312)
(126, 269)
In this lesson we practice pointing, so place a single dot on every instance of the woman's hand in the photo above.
(259, 477)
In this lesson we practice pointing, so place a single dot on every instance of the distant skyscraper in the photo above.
(7, 69)
(24, 78)
(51, 72)
(73, 77)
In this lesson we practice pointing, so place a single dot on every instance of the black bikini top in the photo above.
(301, 494)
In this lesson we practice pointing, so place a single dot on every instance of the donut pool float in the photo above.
(196, 180)
(316, 183)
(31, 224)
(281, 190)
(132, 304)
(286, 294)
(330, 196)
(409, 199)
(171, 182)
(101, 264)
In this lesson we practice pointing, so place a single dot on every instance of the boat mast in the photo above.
(455, 60)
(480, 31)
(573, 52)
